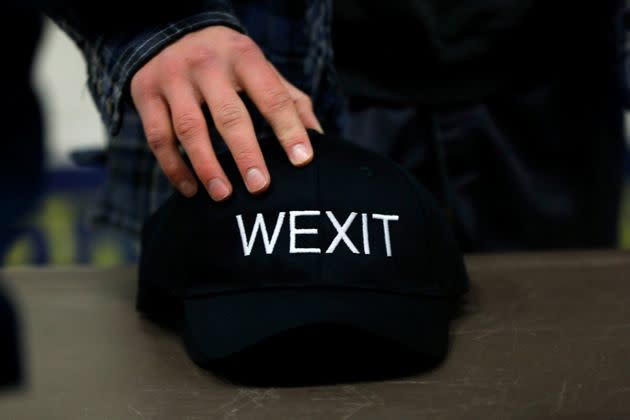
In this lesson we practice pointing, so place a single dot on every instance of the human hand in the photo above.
(210, 67)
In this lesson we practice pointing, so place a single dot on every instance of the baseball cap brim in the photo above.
(218, 326)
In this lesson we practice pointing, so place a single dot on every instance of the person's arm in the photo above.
(174, 66)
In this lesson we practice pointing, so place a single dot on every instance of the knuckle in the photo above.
(245, 157)
(142, 84)
(171, 66)
(157, 138)
(290, 136)
(245, 46)
(229, 115)
(171, 169)
(242, 42)
(277, 100)
(292, 140)
(202, 56)
(187, 125)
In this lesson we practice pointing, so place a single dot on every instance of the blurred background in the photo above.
(58, 232)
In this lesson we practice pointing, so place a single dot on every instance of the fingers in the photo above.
(271, 97)
(191, 130)
(303, 104)
(235, 126)
(159, 133)
(212, 65)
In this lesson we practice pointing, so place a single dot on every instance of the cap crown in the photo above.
(349, 219)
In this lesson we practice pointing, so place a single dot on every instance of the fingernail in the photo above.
(319, 128)
(299, 154)
(187, 188)
(256, 181)
(218, 190)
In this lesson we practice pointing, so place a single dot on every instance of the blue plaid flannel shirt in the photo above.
(295, 36)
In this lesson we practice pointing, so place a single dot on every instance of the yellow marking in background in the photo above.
(20, 253)
(57, 219)
(106, 253)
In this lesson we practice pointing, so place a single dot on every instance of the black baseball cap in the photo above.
(350, 240)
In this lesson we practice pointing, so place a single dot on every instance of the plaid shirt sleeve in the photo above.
(294, 36)
(113, 56)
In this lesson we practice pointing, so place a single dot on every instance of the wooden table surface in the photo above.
(543, 335)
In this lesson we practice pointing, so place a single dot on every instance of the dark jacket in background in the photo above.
(509, 111)
(447, 51)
